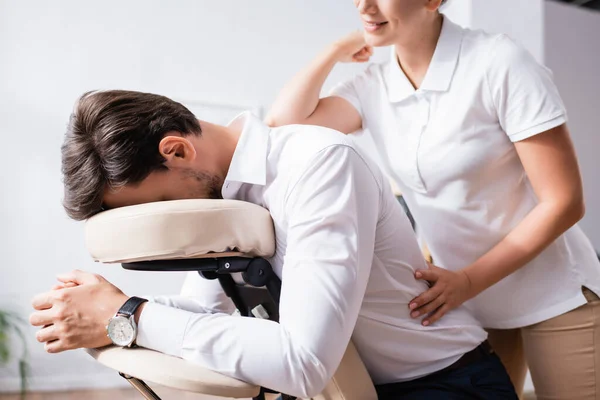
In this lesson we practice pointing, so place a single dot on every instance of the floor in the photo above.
(112, 394)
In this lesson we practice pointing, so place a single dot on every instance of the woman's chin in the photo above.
(377, 40)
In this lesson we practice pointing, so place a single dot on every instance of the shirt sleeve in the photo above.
(197, 295)
(525, 97)
(349, 91)
(332, 213)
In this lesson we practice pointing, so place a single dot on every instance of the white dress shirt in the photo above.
(449, 145)
(346, 255)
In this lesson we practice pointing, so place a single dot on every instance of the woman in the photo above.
(474, 131)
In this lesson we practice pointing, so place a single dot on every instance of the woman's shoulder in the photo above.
(499, 49)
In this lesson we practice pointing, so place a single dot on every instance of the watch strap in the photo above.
(131, 305)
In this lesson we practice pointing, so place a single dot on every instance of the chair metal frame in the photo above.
(260, 287)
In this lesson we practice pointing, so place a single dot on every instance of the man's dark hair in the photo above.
(112, 140)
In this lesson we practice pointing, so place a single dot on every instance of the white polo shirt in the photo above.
(346, 255)
(449, 147)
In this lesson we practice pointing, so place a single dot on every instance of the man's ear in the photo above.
(176, 150)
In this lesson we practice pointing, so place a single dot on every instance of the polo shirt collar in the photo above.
(440, 72)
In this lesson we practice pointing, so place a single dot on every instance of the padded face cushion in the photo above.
(180, 229)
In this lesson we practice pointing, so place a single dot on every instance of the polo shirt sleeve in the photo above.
(350, 91)
(525, 97)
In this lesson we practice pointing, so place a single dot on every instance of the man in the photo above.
(345, 251)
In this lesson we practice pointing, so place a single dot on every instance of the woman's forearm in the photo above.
(542, 226)
(300, 97)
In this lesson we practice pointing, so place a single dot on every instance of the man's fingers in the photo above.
(42, 301)
(429, 307)
(437, 315)
(55, 346)
(41, 318)
(64, 285)
(78, 277)
(47, 334)
(424, 298)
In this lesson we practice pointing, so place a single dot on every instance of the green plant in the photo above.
(12, 323)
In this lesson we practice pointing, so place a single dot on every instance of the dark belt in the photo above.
(477, 354)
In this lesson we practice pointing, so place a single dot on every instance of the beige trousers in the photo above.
(562, 353)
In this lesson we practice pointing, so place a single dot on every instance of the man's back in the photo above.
(301, 160)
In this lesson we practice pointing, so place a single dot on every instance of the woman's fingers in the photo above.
(437, 315)
(425, 298)
(429, 307)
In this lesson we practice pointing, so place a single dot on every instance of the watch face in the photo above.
(121, 331)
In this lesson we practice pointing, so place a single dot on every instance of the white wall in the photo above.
(459, 11)
(573, 54)
(51, 52)
(225, 51)
(521, 19)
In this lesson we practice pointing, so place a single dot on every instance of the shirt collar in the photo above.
(440, 72)
(249, 161)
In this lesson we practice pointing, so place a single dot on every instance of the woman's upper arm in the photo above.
(336, 113)
(551, 165)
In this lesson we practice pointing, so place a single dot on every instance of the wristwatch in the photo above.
(121, 328)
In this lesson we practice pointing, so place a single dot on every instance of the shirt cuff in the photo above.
(162, 328)
(539, 128)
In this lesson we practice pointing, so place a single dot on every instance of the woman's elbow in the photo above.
(281, 120)
(572, 211)
(271, 121)
(277, 117)
(578, 210)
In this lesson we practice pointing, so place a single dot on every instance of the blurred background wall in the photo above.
(227, 52)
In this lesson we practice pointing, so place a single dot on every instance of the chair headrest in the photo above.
(180, 229)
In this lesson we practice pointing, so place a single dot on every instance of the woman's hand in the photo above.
(353, 48)
(449, 289)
